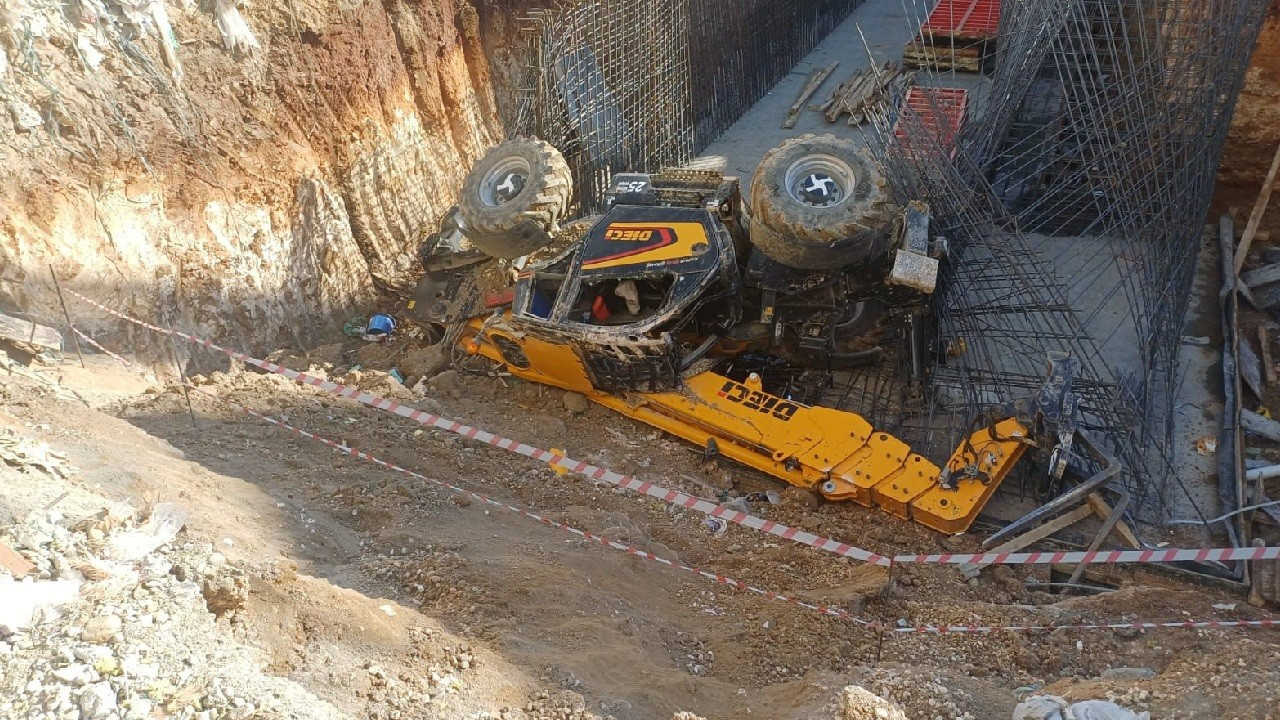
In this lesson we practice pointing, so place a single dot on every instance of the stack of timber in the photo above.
(864, 90)
(957, 36)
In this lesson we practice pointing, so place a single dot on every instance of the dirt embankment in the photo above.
(1255, 127)
(251, 193)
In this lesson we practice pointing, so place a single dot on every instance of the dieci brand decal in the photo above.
(631, 234)
(759, 401)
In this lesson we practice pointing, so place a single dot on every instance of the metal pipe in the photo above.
(1263, 473)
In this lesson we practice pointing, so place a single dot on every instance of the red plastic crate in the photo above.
(934, 111)
(974, 19)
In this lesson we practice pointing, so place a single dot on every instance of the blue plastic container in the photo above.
(380, 325)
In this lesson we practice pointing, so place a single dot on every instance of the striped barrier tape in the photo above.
(1137, 625)
(627, 482)
(1103, 557)
(827, 610)
(598, 539)
(98, 346)
(691, 502)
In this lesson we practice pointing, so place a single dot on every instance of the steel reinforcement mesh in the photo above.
(1075, 201)
(1073, 198)
(642, 84)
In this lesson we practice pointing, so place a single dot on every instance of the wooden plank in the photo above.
(1031, 536)
(816, 78)
(860, 91)
(1259, 207)
(1247, 295)
(1103, 510)
(1264, 575)
(859, 87)
(25, 331)
(916, 227)
(1230, 459)
(1268, 364)
(1270, 511)
(1262, 276)
(1250, 368)
(1108, 526)
(13, 562)
(1263, 427)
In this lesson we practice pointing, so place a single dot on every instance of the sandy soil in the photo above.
(325, 541)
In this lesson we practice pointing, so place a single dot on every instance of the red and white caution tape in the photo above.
(598, 539)
(979, 629)
(118, 358)
(827, 610)
(691, 502)
(627, 482)
(1162, 555)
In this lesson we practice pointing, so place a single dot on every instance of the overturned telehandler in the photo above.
(660, 307)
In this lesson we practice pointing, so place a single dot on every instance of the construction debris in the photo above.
(931, 126)
(1040, 533)
(1260, 425)
(1268, 362)
(22, 453)
(864, 90)
(858, 703)
(1049, 707)
(29, 333)
(13, 562)
(958, 35)
(816, 78)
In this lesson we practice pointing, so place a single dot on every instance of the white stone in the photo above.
(139, 708)
(102, 628)
(97, 701)
(92, 653)
(25, 117)
(74, 674)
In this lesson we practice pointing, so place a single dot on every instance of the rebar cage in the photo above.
(1073, 197)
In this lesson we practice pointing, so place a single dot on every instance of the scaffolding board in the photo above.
(930, 120)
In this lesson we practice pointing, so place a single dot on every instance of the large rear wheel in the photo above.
(514, 198)
(818, 203)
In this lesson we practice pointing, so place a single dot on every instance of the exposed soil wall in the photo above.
(1255, 127)
(248, 193)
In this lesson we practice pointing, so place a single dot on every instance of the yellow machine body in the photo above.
(835, 453)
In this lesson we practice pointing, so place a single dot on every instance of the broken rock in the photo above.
(445, 381)
(101, 629)
(425, 363)
(1128, 673)
(576, 403)
(97, 701)
(858, 703)
(1051, 707)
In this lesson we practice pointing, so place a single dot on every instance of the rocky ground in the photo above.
(306, 582)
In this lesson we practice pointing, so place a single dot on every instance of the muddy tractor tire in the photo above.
(514, 198)
(819, 203)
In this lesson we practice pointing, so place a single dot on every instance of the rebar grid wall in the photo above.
(1075, 202)
(641, 84)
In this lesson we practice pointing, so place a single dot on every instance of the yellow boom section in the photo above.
(834, 452)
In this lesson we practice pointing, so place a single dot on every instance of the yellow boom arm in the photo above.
(834, 452)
